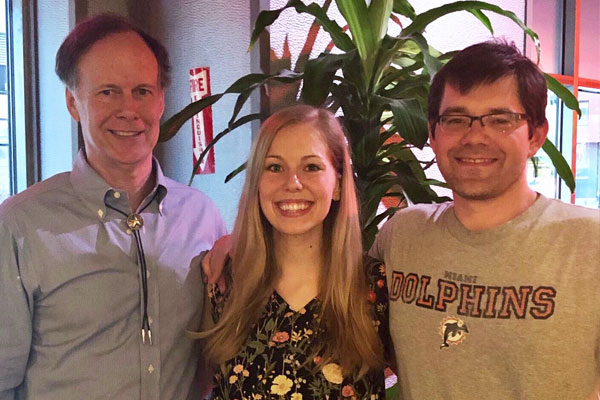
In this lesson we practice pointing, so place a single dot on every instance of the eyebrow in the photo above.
(464, 111)
(107, 86)
(303, 158)
(115, 86)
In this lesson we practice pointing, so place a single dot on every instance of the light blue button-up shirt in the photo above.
(70, 289)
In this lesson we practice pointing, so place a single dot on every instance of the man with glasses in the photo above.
(495, 294)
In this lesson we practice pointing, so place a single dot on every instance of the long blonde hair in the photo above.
(350, 337)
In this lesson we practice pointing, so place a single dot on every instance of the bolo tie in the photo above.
(135, 222)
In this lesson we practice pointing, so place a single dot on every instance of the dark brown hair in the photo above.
(485, 63)
(93, 29)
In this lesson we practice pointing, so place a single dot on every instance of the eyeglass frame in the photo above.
(517, 116)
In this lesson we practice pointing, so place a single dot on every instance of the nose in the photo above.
(293, 183)
(128, 107)
(476, 133)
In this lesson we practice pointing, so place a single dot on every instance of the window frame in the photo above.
(22, 83)
(569, 48)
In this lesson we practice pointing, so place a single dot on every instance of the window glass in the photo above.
(588, 149)
(589, 45)
(541, 174)
(5, 137)
(545, 18)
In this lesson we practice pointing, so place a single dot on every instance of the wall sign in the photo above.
(202, 124)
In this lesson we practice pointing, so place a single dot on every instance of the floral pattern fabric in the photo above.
(273, 362)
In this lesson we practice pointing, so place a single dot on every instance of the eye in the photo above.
(454, 120)
(106, 92)
(500, 120)
(143, 92)
(274, 168)
(313, 168)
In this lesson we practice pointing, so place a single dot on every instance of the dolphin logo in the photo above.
(453, 331)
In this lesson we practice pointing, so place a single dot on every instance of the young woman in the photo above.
(303, 314)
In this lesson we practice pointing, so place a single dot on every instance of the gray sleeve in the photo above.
(15, 316)
(377, 250)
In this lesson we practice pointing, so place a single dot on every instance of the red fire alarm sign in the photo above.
(202, 126)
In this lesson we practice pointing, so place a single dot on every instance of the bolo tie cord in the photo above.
(135, 222)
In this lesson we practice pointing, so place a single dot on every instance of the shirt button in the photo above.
(128, 231)
(100, 213)
(116, 195)
(150, 368)
(150, 320)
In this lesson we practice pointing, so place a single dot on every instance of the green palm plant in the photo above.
(380, 82)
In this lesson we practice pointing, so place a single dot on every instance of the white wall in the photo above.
(214, 34)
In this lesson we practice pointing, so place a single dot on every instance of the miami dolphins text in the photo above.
(474, 300)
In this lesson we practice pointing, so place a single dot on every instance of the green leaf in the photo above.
(239, 103)
(409, 119)
(270, 325)
(259, 346)
(248, 82)
(169, 128)
(236, 171)
(379, 15)
(403, 7)
(373, 222)
(318, 77)
(415, 189)
(368, 26)
(267, 17)
(356, 14)
(563, 93)
(483, 18)
(562, 167)
(236, 124)
(432, 63)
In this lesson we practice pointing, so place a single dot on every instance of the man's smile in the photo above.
(475, 161)
(125, 133)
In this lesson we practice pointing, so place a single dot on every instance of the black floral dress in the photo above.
(273, 362)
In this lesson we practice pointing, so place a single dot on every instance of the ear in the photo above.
(337, 191)
(162, 101)
(431, 138)
(71, 104)
(538, 138)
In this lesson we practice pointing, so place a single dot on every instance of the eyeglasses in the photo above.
(498, 123)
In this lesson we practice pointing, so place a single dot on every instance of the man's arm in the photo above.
(15, 317)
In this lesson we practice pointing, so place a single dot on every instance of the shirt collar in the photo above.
(92, 189)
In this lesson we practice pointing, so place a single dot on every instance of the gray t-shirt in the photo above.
(512, 312)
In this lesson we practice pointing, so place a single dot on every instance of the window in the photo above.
(6, 142)
(17, 77)
(569, 34)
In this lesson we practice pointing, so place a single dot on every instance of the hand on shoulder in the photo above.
(214, 262)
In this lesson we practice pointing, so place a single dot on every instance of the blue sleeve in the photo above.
(15, 316)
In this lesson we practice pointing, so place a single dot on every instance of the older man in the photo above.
(98, 274)
(494, 295)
